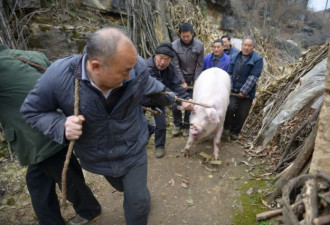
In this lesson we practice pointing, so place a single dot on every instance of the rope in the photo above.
(70, 149)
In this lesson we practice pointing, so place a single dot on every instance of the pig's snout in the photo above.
(196, 131)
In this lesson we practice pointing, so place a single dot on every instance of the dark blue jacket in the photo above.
(110, 143)
(231, 51)
(252, 67)
(222, 64)
(168, 77)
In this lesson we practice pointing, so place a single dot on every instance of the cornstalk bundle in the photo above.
(150, 23)
(278, 90)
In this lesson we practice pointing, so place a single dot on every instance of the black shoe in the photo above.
(176, 131)
(185, 133)
(78, 220)
(234, 137)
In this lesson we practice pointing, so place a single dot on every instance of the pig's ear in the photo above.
(212, 115)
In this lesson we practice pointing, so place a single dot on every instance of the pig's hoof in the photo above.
(185, 153)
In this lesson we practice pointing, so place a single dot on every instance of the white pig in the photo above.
(211, 88)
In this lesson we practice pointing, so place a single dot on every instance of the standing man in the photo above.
(111, 131)
(161, 68)
(245, 69)
(217, 58)
(188, 63)
(228, 49)
(20, 70)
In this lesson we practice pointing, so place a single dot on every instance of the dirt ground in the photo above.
(183, 190)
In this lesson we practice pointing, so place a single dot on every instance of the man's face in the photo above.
(226, 43)
(162, 61)
(247, 47)
(117, 68)
(217, 49)
(186, 37)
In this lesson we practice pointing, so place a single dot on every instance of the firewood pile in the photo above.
(281, 149)
(287, 144)
(305, 200)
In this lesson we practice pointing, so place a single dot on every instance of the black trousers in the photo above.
(177, 114)
(237, 112)
(136, 193)
(160, 129)
(41, 179)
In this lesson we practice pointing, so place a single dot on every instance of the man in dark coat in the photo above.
(44, 157)
(110, 132)
(161, 68)
(245, 69)
(228, 48)
(188, 64)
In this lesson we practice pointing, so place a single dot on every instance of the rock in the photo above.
(228, 23)
(57, 41)
(307, 29)
(115, 6)
(290, 47)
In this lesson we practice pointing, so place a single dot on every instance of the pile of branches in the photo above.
(305, 200)
(7, 31)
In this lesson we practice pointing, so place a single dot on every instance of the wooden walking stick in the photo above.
(70, 149)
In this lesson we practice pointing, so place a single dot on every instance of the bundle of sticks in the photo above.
(305, 200)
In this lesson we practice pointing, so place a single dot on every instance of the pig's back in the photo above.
(212, 87)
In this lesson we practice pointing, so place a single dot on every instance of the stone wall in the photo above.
(321, 155)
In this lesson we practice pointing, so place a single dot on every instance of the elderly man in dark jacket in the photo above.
(245, 69)
(188, 63)
(161, 68)
(44, 157)
(111, 130)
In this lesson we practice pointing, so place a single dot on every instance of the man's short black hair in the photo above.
(226, 36)
(218, 41)
(186, 27)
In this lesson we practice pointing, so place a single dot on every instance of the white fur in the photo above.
(211, 88)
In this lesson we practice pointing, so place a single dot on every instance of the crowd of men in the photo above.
(111, 131)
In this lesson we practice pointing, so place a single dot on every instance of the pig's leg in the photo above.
(216, 141)
(185, 151)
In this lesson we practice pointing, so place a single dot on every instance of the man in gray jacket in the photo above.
(188, 63)
(110, 131)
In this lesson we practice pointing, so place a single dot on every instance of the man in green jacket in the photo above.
(45, 159)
